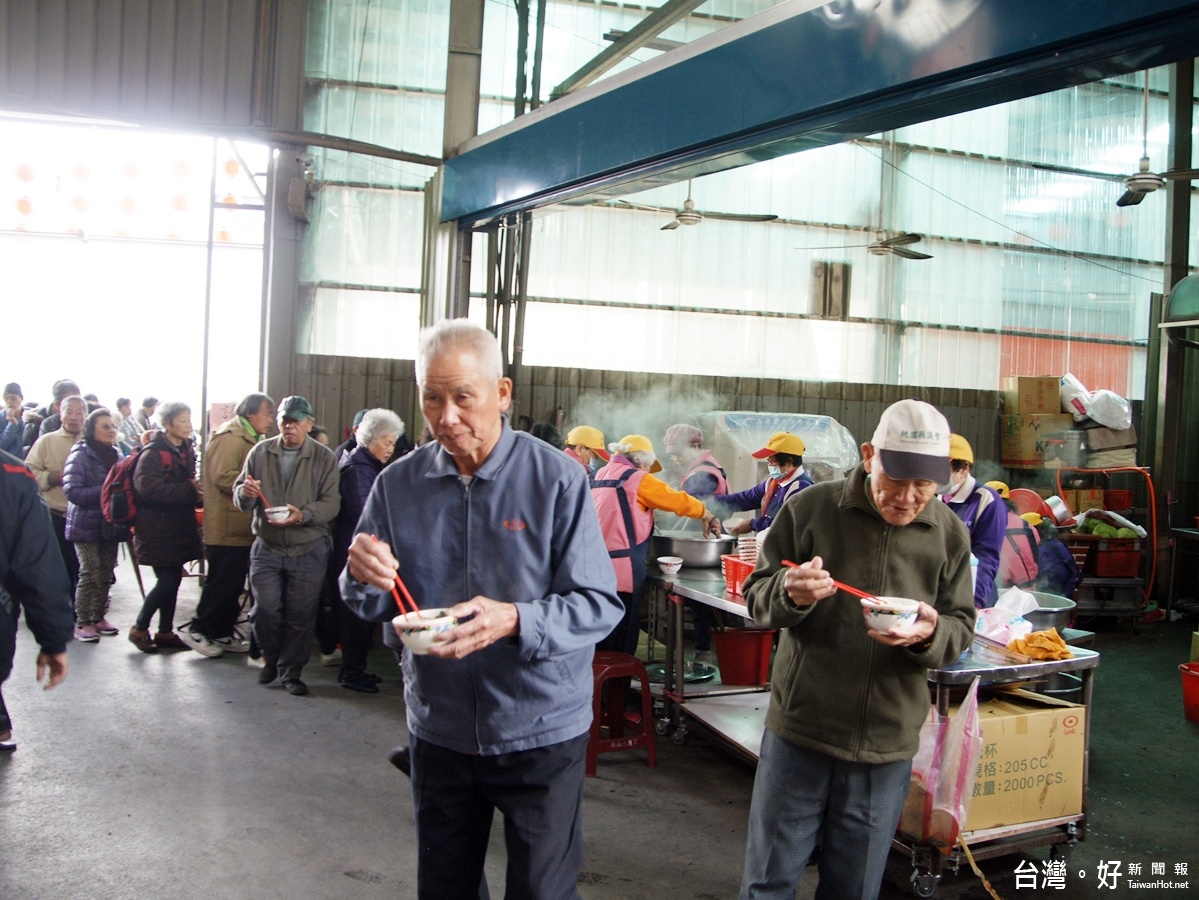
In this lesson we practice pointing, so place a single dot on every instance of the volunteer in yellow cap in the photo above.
(984, 515)
(626, 494)
(586, 444)
(785, 477)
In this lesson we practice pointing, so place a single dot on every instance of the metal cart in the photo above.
(1060, 834)
(731, 714)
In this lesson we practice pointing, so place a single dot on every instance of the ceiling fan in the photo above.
(689, 215)
(1143, 182)
(896, 246)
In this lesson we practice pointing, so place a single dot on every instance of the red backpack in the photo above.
(117, 498)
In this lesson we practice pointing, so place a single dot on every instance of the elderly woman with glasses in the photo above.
(376, 439)
(95, 540)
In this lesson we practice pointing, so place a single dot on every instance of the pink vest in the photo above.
(706, 464)
(1018, 554)
(608, 496)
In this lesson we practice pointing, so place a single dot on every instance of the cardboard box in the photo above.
(1031, 766)
(1091, 498)
(1024, 438)
(1025, 395)
(1070, 498)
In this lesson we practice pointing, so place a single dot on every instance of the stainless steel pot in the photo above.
(1052, 612)
(696, 551)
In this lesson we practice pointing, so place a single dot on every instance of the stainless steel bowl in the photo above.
(1052, 612)
(696, 551)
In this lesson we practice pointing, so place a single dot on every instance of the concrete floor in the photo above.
(179, 776)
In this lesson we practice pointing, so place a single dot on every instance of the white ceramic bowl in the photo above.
(884, 613)
(670, 565)
(418, 629)
(277, 514)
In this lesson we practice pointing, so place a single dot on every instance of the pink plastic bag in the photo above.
(943, 775)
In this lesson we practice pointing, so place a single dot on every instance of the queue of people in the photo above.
(540, 558)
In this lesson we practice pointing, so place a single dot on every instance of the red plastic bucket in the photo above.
(743, 655)
(1190, 691)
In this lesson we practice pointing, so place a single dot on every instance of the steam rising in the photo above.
(648, 412)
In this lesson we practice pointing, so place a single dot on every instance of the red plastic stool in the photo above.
(618, 668)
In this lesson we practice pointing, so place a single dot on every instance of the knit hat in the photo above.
(781, 442)
(912, 440)
(13, 388)
(681, 435)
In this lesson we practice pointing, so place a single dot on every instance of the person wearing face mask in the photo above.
(785, 478)
(982, 512)
(586, 444)
(699, 474)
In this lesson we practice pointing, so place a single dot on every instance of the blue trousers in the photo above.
(540, 794)
(801, 796)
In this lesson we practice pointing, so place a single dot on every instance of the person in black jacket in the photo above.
(32, 578)
(376, 436)
(167, 534)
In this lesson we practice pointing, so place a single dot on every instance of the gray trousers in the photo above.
(287, 591)
(800, 796)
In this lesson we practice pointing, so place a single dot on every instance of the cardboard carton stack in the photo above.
(1032, 418)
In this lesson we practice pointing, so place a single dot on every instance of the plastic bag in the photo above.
(1075, 398)
(943, 773)
(1110, 409)
(1005, 622)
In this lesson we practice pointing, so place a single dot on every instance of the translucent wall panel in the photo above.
(959, 287)
(406, 120)
(943, 358)
(659, 340)
(346, 322)
(364, 237)
(384, 42)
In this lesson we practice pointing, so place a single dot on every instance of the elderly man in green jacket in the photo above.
(296, 479)
(847, 703)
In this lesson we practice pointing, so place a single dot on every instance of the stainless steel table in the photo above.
(732, 714)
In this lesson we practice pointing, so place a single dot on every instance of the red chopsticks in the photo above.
(399, 583)
(849, 589)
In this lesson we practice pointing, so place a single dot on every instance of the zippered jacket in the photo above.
(312, 489)
(833, 688)
(522, 530)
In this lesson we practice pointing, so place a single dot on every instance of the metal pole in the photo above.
(208, 301)
(522, 53)
(538, 48)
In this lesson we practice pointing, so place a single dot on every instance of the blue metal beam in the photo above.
(797, 77)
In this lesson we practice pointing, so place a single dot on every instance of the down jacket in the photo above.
(81, 481)
(166, 533)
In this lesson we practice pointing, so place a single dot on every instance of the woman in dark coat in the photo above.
(96, 541)
(376, 439)
(166, 534)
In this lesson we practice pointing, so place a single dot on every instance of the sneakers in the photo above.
(331, 659)
(233, 644)
(106, 627)
(87, 633)
(200, 643)
(295, 687)
(255, 662)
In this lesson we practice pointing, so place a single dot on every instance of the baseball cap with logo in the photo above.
(295, 408)
(912, 439)
(781, 442)
(591, 438)
(639, 442)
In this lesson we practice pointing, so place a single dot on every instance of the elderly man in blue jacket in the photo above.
(500, 528)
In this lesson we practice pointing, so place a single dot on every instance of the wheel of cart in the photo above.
(924, 883)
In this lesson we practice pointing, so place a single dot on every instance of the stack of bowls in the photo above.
(747, 548)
